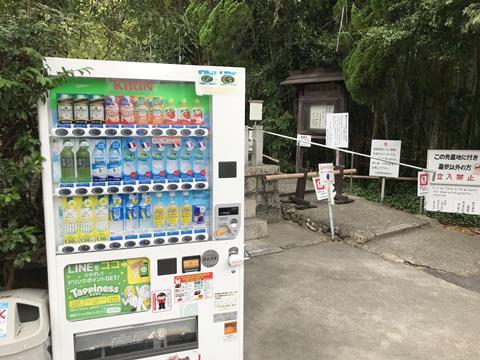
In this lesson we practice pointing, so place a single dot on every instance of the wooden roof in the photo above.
(320, 75)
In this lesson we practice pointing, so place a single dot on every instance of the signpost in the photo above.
(455, 186)
(423, 182)
(388, 150)
(324, 180)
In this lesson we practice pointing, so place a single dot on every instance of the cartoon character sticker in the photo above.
(161, 300)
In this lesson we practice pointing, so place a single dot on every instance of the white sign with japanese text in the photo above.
(455, 186)
(304, 140)
(321, 188)
(325, 173)
(337, 130)
(388, 150)
(423, 183)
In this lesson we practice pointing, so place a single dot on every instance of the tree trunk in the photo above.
(8, 274)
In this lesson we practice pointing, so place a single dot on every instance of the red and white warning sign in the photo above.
(321, 188)
(423, 183)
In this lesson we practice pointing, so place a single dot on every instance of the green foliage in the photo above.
(23, 82)
(403, 196)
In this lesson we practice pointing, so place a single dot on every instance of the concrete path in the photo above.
(333, 301)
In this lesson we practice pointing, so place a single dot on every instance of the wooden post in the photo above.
(258, 144)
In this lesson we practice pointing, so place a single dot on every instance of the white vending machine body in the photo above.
(143, 195)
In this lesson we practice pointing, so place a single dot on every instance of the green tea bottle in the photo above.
(67, 162)
(83, 163)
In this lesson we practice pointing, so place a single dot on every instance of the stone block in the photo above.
(255, 228)
(250, 206)
(262, 170)
(250, 184)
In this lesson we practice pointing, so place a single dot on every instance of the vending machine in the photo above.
(143, 199)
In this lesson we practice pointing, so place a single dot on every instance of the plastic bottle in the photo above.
(172, 211)
(199, 160)
(199, 208)
(158, 165)
(141, 111)
(83, 162)
(114, 166)
(172, 161)
(144, 164)
(99, 161)
(156, 113)
(146, 212)
(101, 218)
(69, 219)
(186, 211)
(170, 113)
(85, 220)
(117, 214)
(131, 213)
(159, 212)
(183, 116)
(67, 162)
(197, 113)
(129, 154)
(186, 159)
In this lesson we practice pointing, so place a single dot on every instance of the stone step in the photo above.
(255, 228)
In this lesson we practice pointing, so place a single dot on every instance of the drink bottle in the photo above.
(67, 162)
(85, 220)
(186, 211)
(129, 154)
(83, 162)
(197, 113)
(99, 162)
(69, 219)
(183, 116)
(131, 213)
(156, 114)
(159, 212)
(186, 159)
(141, 111)
(170, 113)
(101, 218)
(172, 211)
(117, 214)
(143, 161)
(158, 165)
(172, 151)
(146, 212)
(114, 166)
(199, 160)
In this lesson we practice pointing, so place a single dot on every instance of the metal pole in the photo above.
(420, 207)
(382, 192)
(351, 175)
(352, 152)
(330, 212)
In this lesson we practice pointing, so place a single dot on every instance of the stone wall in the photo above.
(262, 199)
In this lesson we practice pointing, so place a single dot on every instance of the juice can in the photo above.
(112, 110)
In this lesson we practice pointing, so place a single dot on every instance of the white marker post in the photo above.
(330, 212)
(326, 176)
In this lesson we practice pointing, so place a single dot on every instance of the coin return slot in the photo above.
(97, 190)
(128, 189)
(158, 187)
(94, 132)
(172, 187)
(126, 132)
(78, 132)
(81, 191)
(61, 132)
(144, 242)
(111, 132)
(157, 132)
(113, 189)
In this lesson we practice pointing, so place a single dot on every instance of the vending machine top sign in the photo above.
(143, 197)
